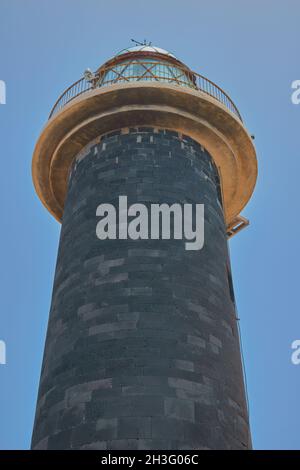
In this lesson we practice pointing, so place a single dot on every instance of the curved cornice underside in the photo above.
(185, 110)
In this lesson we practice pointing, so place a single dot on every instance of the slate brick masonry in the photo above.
(142, 349)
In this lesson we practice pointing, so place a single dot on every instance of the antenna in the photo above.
(144, 43)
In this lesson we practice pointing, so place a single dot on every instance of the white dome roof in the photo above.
(146, 48)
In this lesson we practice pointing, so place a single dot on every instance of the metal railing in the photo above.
(111, 75)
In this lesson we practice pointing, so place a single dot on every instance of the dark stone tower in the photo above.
(142, 348)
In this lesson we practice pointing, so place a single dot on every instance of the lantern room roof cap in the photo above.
(146, 48)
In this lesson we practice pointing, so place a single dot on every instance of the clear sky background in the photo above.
(251, 49)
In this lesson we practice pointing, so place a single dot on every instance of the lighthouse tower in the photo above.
(142, 347)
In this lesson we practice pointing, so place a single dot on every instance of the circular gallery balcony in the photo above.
(145, 86)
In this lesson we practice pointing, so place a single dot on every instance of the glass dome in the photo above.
(145, 63)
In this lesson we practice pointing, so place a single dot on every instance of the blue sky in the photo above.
(250, 49)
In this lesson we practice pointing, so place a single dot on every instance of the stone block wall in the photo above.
(142, 349)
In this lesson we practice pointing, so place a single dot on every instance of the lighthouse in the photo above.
(142, 348)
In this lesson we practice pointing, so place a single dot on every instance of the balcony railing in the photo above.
(155, 71)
